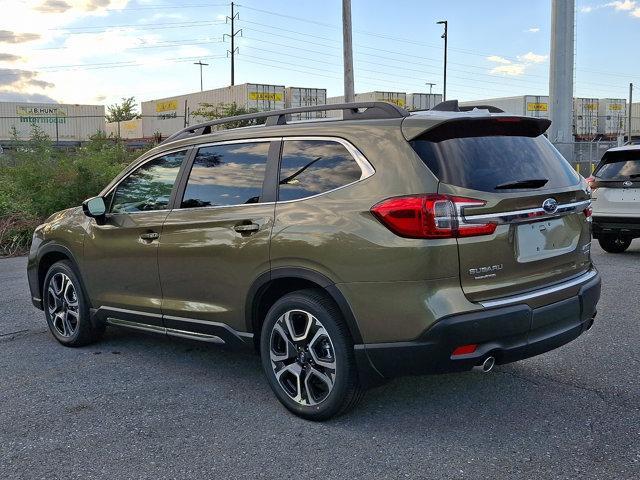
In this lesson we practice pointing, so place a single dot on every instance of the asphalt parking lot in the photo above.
(143, 406)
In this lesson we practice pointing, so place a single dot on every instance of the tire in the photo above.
(614, 244)
(66, 308)
(307, 356)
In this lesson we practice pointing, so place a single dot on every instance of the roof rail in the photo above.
(453, 106)
(350, 111)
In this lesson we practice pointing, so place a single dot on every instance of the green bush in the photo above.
(41, 179)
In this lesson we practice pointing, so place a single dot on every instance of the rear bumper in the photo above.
(509, 333)
(624, 226)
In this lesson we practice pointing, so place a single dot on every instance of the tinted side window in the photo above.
(229, 174)
(149, 187)
(310, 167)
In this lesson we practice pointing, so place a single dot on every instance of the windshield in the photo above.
(497, 163)
(619, 166)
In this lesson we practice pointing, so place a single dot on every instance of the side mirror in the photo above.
(94, 208)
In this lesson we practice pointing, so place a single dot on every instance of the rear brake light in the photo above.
(430, 216)
(588, 211)
(591, 181)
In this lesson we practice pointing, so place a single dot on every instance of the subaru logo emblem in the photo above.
(628, 183)
(550, 205)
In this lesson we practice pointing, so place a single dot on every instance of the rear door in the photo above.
(616, 184)
(507, 173)
(216, 242)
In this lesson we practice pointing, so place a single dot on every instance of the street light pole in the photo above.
(431, 85)
(445, 35)
(199, 62)
(629, 112)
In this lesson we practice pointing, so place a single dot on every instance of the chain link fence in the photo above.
(584, 156)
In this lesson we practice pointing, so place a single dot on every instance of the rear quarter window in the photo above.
(484, 162)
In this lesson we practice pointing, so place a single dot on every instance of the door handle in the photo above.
(149, 236)
(247, 228)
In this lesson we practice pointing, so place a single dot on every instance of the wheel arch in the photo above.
(50, 254)
(270, 286)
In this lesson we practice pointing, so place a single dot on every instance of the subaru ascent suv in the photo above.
(345, 251)
(616, 198)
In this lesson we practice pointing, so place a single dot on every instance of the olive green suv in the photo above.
(346, 251)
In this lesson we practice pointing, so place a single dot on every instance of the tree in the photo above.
(122, 112)
(212, 111)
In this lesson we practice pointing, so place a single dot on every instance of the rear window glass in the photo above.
(485, 162)
(619, 166)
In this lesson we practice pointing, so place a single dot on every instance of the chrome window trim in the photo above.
(541, 292)
(521, 216)
(365, 166)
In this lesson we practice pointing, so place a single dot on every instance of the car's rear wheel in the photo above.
(66, 308)
(307, 355)
(614, 244)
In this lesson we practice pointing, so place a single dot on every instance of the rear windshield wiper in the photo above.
(530, 183)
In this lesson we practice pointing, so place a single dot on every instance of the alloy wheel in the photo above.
(62, 305)
(302, 357)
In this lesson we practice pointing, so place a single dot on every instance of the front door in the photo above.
(217, 242)
(121, 255)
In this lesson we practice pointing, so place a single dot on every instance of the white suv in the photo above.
(616, 198)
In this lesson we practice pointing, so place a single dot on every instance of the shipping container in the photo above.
(422, 101)
(612, 117)
(128, 129)
(585, 118)
(527, 105)
(305, 97)
(168, 115)
(63, 123)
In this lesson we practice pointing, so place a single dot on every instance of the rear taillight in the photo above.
(591, 182)
(588, 212)
(430, 216)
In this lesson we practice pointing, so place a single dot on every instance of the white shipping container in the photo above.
(527, 105)
(422, 101)
(128, 129)
(612, 116)
(167, 115)
(585, 117)
(61, 122)
(635, 119)
(305, 97)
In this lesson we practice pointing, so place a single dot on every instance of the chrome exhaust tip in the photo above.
(486, 366)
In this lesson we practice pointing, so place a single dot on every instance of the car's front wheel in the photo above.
(66, 308)
(307, 355)
(614, 244)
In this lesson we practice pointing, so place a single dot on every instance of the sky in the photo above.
(98, 51)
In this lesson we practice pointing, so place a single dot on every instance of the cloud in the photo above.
(9, 57)
(9, 96)
(531, 57)
(7, 36)
(631, 6)
(533, 30)
(498, 59)
(53, 6)
(13, 78)
(514, 69)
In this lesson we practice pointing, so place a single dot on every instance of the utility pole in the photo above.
(234, 49)
(445, 35)
(561, 76)
(431, 85)
(347, 47)
(629, 112)
(199, 62)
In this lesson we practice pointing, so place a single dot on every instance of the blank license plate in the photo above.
(545, 239)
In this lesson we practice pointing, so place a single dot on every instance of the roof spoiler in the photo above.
(454, 106)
